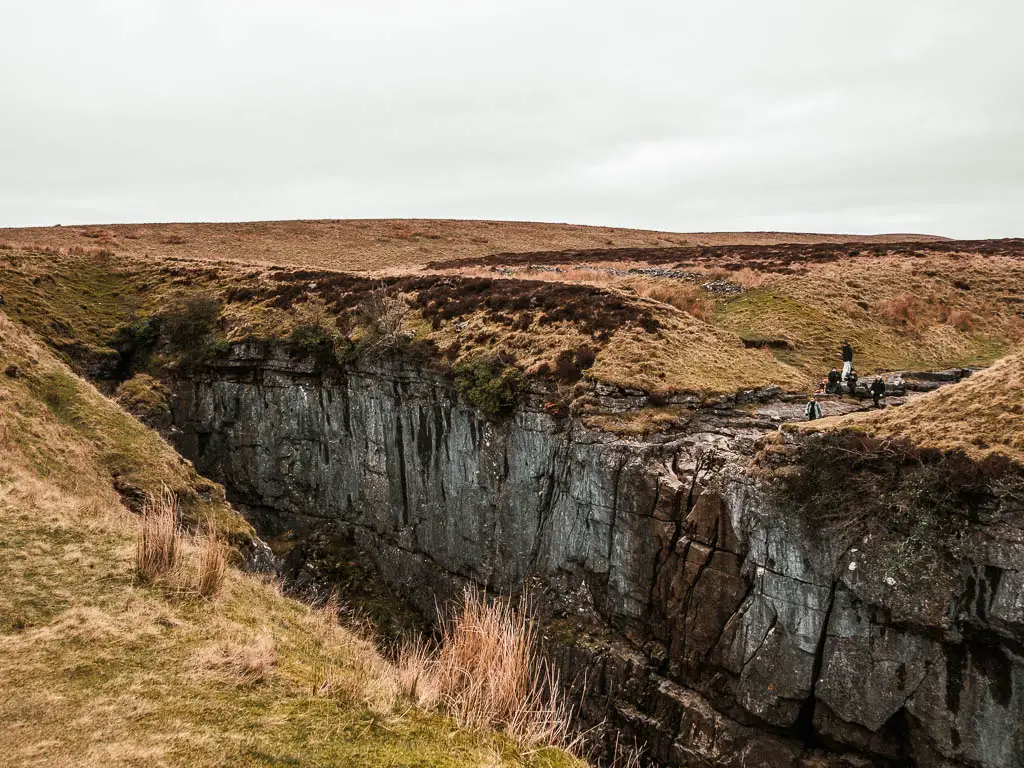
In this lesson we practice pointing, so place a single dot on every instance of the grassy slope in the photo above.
(982, 414)
(78, 302)
(51, 416)
(855, 300)
(100, 670)
(373, 244)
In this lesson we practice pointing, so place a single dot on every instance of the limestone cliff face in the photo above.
(725, 631)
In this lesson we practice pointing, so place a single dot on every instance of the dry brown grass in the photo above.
(99, 668)
(748, 278)
(641, 422)
(906, 310)
(79, 420)
(247, 661)
(683, 296)
(900, 313)
(960, 319)
(213, 565)
(378, 244)
(487, 672)
(705, 343)
(159, 546)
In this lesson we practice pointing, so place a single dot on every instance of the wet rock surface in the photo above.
(701, 618)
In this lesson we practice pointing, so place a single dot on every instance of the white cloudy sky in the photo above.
(866, 116)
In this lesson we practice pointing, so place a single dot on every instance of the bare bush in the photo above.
(382, 317)
(487, 671)
(159, 544)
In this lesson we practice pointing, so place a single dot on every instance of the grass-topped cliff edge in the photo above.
(663, 314)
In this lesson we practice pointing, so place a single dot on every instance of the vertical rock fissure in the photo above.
(403, 482)
(662, 558)
(555, 479)
(804, 725)
(684, 609)
(614, 514)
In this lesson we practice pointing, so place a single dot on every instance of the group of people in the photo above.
(833, 383)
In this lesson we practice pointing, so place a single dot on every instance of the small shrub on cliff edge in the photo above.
(316, 340)
(381, 317)
(488, 383)
(135, 342)
(310, 336)
(188, 326)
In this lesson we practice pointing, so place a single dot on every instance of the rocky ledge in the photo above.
(704, 618)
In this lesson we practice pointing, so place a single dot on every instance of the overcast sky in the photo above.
(809, 115)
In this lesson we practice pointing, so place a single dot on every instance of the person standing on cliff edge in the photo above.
(847, 359)
(813, 410)
(877, 390)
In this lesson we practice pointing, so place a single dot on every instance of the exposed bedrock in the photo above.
(706, 622)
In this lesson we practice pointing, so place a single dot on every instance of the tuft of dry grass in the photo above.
(159, 544)
(414, 673)
(247, 662)
(683, 296)
(213, 565)
(960, 319)
(905, 310)
(487, 671)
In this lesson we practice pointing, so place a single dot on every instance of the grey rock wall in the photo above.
(712, 626)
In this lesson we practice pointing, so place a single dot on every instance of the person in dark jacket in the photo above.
(834, 378)
(847, 351)
(813, 410)
(877, 390)
(851, 382)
